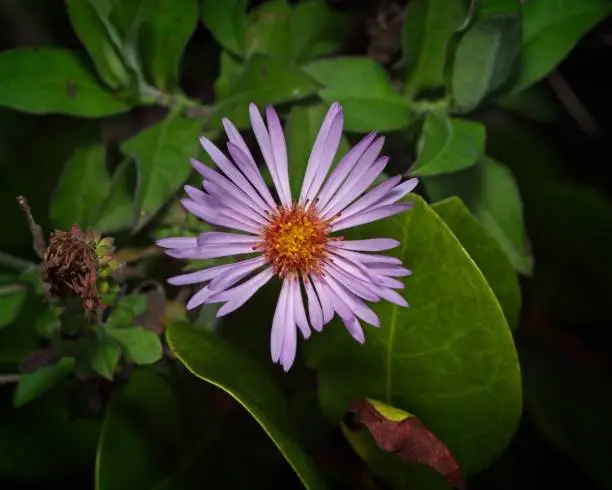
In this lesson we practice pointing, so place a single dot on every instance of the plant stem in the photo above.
(16, 263)
(8, 379)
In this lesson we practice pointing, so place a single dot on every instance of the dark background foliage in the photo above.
(111, 151)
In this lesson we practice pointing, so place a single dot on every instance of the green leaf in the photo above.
(162, 154)
(32, 385)
(12, 298)
(104, 356)
(135, 302)
(537, 102)
(168, 26)
(139, 345)
(117, 210)
(363, 88)
(551, 29)
(449, 359)
(231, 69)
(486, 252)
(448, 144)
(428, 28)
(302, 127)
(142, 426)
(51, 80)
(490, 192)
(227, 21)
(269, 30)
(43, 444)
(485, 58)
(569, 402)
(317, 30)
(262, 81)
(82, 188)
(92, 32)
(215, 361)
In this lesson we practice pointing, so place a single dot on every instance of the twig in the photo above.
(16, 263)
(35, 229)
(8, 379)
(573, 105)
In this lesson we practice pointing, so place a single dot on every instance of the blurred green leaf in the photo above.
(135, 302)
(262, 81)
(41, 442)
(551, 29)
(486, 252)
(12, 298)
(214, 360)
(103, 356)
(162, 154)
(117, 210)
(48, 322)
(451, 348)
(428, 28)
(317, 30)
(82, 188)
(490, 192)
(363, 88)
(302, 127)
(485, 58)
(537, 102)
(32, 385)
(231, 68)
(139, 345)
(269, 30)
(570, 402)
(142, 426)
(447, 145)
(92, 32)
(227, 21)
(51, 80)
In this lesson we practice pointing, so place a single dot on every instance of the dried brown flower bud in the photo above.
(69, 266)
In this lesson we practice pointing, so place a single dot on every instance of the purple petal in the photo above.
(210, 252)
(369, 216)
(371, 198)
(195, 194)
(387, 270)
(178, 242)
(298, 307)
(217, 218)
(239, 295)
(314, 160)
(279, 152)
(230, 278)
(230, 190)
(277, 333)
(399, 192)
(249, 168)
(326, 305)
(224, 238)
(343, 169)
(314, 307)
(198, 298)
(232, 173)
(209, 273)
(358, 187)
(369, 245)
(289, 347)
(358, 307)
(366, 259)
(263, 139)
(326, 157)
(361, 288)
(348, 318)
(365, 162)
(233, 204)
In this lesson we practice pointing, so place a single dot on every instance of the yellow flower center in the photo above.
(294, 241)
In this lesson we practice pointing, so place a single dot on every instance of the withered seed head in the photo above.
(69, 266)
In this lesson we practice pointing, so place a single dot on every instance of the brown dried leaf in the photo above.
(404, 435)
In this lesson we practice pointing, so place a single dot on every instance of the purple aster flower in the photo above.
(322, 274)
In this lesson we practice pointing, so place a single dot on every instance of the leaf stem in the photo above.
(16, 263)
(191, 108)
(8, 379)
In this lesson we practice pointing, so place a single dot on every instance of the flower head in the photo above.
(322, 274)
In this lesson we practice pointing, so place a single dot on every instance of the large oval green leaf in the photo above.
(140, 442)
(449, 358)
(214, 360)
